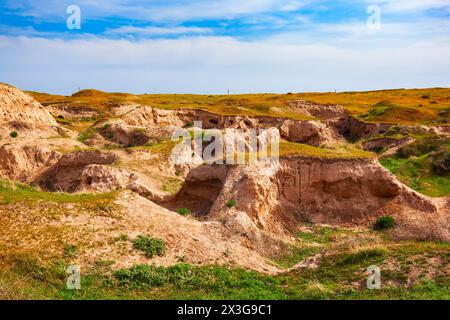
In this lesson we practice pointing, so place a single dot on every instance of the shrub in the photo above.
(422, 147)
(150, 246)
(184, 211)
(231, 203)
(441, 165)
(70, 250)
(362, 255)
(13, 134)
(384, 223)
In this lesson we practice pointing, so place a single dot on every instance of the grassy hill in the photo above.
(402, 106)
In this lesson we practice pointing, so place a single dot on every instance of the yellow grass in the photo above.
(401, 106)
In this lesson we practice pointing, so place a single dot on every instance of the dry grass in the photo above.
(392, 106)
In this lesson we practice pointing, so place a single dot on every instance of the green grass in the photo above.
(87, 134)
(384, 223)
(15, 192)
(184, 211)
(231, 203)
(172, 185)
(362, 255)
(334, 279)
(322, 235)
(150, 246)
(288, 149)
(294, 255)
(417, 174)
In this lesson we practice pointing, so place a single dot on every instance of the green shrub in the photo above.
(422, 147)
(231, 203)
(184, 211)
(362, 255)
(13, 134)
(70, 250)
(384, 223)
(150, 246)
(441, 165)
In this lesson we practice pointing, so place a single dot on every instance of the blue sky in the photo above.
(210, 46)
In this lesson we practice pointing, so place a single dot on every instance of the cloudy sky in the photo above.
(210, 46)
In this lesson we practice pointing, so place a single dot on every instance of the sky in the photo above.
(212, 46)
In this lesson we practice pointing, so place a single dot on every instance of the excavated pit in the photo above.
(197, 196)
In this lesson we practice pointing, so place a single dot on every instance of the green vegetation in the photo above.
(340, 275)
(87, 134)
(172, 185)
(15, 192)
(362, 255)
(150, 246)
(70, 250)
(294, 255)
(322, 235)
(384, 223)
(14, 134)
(342, 151)
(231, 203)
(423, 165)
(184, 211)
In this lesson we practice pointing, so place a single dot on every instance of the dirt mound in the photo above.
(353, 129)
(324, 112)
(18, 111)
(277, 197)
(24, 162)
(74, 172)
(127, 135)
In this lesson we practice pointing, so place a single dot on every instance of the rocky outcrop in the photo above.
(19, 111)
(277, 197)
(320, 111)
(309, 132)
(74, 172)
(24, 162)
(72, 112)
(353, 129)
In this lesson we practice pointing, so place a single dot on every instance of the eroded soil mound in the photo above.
(19, 111)
(277, 197)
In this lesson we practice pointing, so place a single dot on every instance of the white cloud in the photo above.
(158, 31)
(158, 10)
(215, 64)
(405, 6)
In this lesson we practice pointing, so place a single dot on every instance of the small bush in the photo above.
(150, 246)
(70, 250)
(61, 117)
(231, 203)
(13, 134)
(362, 255)
(441, 165)
(184, 211)
(384, 223)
